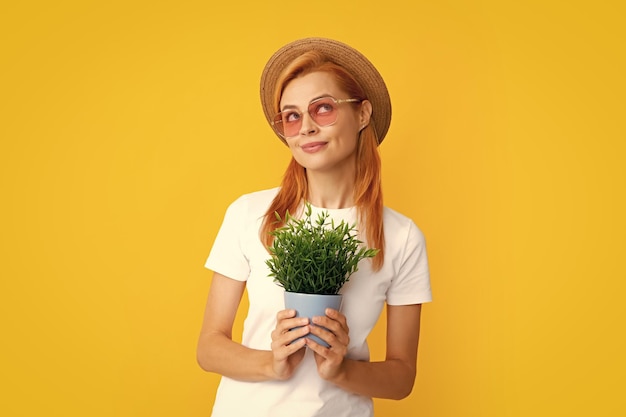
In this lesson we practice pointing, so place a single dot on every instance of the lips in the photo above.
(313, 147)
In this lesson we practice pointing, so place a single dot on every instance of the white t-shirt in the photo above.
(239, 254)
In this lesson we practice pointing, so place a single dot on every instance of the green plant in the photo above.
(315, 257)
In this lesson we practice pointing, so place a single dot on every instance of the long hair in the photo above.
(368, 195)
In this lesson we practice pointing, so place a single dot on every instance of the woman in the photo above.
(331, 107)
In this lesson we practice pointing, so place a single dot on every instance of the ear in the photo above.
(365, 114)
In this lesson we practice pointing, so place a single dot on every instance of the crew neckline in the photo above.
(333, 210)
(314, 207)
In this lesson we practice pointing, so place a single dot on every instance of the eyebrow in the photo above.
(293, 106)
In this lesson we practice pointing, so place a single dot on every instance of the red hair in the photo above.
(368, 195)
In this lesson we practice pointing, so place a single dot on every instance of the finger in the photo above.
(288, 337)
(285, 314)
(338, 316)
(289, 343)
(295, 333)
(293, 346)
(285, 324)
(288, 325)
(331, 331)
(323, 351)
(330, 323)
(338, 341)
(324, 334)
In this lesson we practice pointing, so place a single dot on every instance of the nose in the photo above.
(308, 125)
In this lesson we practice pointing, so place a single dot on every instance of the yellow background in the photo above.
(128, 127)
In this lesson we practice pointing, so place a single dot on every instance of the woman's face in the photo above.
(324, 148)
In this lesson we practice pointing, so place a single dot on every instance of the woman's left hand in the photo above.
(333, 329)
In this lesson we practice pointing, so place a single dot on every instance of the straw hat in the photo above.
(349, 58)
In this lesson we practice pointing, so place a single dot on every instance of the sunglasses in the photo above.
(323, 112)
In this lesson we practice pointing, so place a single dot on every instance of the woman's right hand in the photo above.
(288, 354)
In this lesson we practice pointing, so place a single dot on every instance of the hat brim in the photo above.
(349, 58)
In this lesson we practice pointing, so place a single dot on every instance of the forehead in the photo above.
(300, 91)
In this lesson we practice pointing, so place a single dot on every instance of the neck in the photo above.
(331, 191)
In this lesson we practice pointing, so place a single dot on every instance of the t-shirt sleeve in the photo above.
(411, 285)
(227, 256)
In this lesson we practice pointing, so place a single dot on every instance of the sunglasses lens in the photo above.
(277, 124)
(287, 123)
(323, 111)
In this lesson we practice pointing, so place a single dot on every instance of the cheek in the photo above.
(350, 135)
(351, 126)
(294, 152)
(291, 144)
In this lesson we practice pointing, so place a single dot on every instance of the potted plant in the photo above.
(312, 260)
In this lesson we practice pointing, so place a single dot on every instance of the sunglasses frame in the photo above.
(337, 101)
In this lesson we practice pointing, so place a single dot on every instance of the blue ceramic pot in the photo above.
(310, 305)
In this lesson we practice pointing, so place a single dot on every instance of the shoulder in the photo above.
(397, 224)
(253, 204)
(258, 199)
(395, 219)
